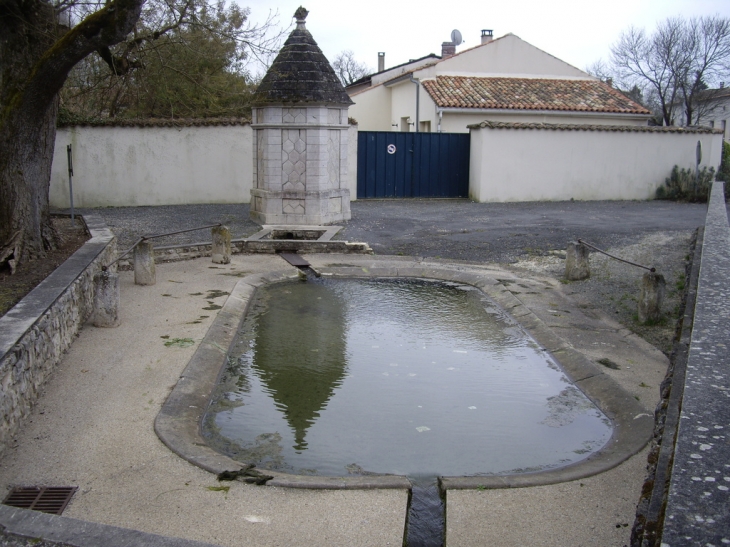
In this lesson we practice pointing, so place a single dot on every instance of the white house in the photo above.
(503, 80)
(712, 108)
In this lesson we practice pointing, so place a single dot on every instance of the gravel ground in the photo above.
(614, 287)
(525, 235)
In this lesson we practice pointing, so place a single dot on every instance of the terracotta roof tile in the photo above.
(529, 94)
(592, 127)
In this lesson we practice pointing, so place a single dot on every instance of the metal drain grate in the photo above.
(46, 499)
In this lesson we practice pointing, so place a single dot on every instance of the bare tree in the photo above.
(348, 70)
(708, 42)
(675, 63)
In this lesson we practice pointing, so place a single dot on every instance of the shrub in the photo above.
(684, 185)
(724, 171)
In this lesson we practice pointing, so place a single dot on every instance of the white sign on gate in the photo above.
(391, 149)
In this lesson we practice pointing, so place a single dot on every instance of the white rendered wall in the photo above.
(549, 165)
(506, 56)
(124, 166)
(352, 162)
(372, 109)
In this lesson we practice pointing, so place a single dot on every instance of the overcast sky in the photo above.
(578, 32)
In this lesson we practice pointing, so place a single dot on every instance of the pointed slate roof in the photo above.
(301, 72)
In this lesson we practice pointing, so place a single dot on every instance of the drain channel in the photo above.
(426, 522)
(46, 499)
(297, 261)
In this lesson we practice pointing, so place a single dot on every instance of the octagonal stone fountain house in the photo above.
(300, 140)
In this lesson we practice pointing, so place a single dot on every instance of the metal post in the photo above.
(699, 159)
(70, 179)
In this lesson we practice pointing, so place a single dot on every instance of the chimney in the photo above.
(381, 61)
(486, 36)
(448, 49)
(722, 85)
(609, 81)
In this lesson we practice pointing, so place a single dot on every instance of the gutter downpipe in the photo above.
(439, 113)
(418, 99)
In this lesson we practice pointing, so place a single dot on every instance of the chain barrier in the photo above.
(582, 242)
(145, 238)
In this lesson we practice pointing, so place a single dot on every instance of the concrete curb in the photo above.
(80, 533)
(178, 423)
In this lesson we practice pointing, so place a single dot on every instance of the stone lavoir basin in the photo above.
(394, 376)
(395, 371)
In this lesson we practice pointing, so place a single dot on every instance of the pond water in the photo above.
(411, 377)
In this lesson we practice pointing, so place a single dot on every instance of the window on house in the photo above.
(404, 125)
(712, 123)
(425, 127)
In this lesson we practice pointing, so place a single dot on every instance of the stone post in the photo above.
(652, 295)
(221, 244)
(577, 266)
(106, 299)
(144, 263)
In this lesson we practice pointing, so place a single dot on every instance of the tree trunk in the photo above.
(25, 172)
(26, 135)
(36, 55)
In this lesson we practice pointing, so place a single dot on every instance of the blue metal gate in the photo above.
(412, 165)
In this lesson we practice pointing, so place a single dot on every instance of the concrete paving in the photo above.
(93, 427)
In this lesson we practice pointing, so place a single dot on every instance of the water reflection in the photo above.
(352, 376)
(299, 354)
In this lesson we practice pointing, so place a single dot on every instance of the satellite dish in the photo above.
(456, 37)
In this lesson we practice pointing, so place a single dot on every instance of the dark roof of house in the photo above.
(529, 94)
(369, 77)
(301, 72)
(713, 94)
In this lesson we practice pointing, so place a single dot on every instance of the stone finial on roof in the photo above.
(300, 15)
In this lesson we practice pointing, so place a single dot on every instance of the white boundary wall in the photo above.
(118, 166)
(543, 162)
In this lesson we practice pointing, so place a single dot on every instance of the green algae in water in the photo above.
(392, 376)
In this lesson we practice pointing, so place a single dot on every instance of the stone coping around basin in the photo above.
(178, 424)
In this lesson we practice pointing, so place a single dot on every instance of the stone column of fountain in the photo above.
(300, 125)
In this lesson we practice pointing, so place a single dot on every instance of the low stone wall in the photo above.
(684, 498)
(696, 511)
(175, 253)
(37, 331)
